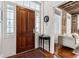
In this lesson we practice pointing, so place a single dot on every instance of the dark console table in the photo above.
(42, 38)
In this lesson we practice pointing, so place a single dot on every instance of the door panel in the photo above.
(25, 23)
(31, 16)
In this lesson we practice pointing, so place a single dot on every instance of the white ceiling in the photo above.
(58, 3)
(54, 3)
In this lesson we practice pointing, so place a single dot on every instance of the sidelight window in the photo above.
(37, 7)
(0, 18)
(10, 19)
(57, 22)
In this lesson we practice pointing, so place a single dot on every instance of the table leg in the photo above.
(39, 42)
(49, 44)
(43, 44)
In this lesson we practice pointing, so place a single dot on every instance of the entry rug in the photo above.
(36, 53)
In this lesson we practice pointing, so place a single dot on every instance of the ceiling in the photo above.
(72, 7)
(58, 3)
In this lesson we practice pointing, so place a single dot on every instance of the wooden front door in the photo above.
(25, 23)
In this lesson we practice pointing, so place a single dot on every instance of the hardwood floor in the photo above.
(35, 53)
(60, 52)
(64, 52)
(46, 53)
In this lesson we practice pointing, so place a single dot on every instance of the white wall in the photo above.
(48, 28)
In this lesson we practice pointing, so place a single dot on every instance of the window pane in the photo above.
(10, 23)
(8, 30)
(38, 6)
(38, 20)
(10, 10)
(57, 24)
(10, 15)
(10, 7)
(68, 23)
(26, 3)
(11, 30)
(0, 4)
(38, 14)
(32, 5)
(20, 2)
(38, 27)
(0, 19)
(10, 18)
(78, 23)
(35, 6)
(0, 30)
(0, 15)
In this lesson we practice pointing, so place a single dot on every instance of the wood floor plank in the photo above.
(64, 52)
